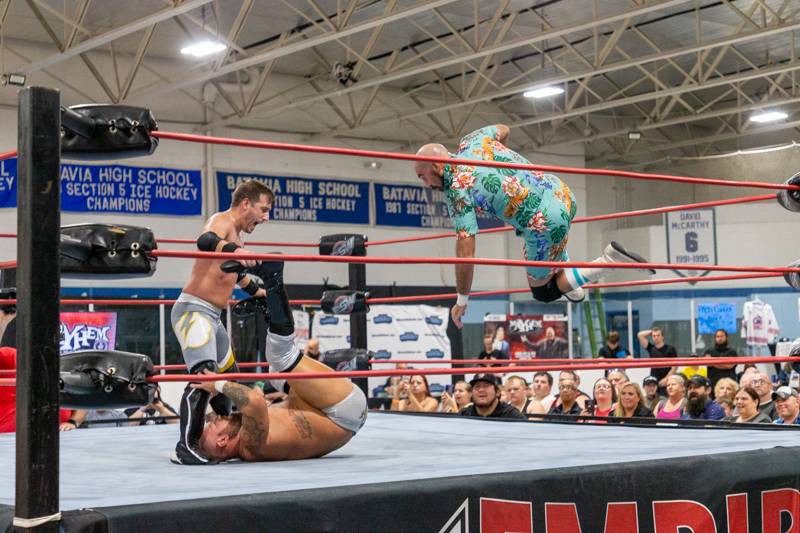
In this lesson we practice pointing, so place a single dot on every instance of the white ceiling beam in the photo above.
(676, 121)
(460, 59)
(607, 68)
(715, 82)
(112, 35)
(275, 53)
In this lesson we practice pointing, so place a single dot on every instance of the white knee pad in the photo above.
(282, 352)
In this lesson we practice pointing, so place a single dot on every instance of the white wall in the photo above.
(172, 273)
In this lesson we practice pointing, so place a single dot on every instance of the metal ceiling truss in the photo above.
(618, 74)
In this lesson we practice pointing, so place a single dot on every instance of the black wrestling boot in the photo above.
(193, 415)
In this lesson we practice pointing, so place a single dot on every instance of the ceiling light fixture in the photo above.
(768, 116)
(202, 49)
(543, 92)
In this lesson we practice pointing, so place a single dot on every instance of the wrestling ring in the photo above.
(403, 471)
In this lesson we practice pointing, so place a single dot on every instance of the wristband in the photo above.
(251, 288)
(71, 421)
(219, 385)
(462, 299)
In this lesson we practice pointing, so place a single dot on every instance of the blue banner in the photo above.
(117, 189)
(711, 317)
(417, 207)
(305, 199)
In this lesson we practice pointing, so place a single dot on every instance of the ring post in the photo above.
(357, 274)
(38, 284)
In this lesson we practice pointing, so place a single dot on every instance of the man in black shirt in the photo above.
(721, 349)
(489, 352)
(658, 348)
(486, 400)
(568, 396)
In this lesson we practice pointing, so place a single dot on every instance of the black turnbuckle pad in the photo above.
(344, 302)
(346, 359)
(790, 199)
(343, 244)
(95, 379)
(107, 131)
(97, 249)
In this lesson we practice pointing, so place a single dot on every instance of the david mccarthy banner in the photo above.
(88, 331)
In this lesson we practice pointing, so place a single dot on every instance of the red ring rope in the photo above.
(242, 376)
(269, 145)
(462, 261)
(8, 155)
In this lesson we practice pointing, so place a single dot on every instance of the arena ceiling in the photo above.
(684, 75)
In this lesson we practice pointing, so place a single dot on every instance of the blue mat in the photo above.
(113, 466)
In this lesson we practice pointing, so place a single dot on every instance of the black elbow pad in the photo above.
(207, 242)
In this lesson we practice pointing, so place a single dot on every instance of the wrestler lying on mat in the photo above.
(318, 417)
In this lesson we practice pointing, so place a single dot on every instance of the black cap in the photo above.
(650, 379)
(488, 378)
(697, 379)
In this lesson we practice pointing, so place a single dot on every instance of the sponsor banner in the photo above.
(304, 199)
(417, 207)
(117, 189)
(417, 332)
(393, 332)
(88, 331)
(529, 336)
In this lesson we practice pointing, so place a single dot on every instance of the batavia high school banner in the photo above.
(305, 199)
(117, 189)
(417, 207)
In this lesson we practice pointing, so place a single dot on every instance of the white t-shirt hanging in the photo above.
(759, 325)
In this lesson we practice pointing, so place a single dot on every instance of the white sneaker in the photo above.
(616, 253)
(576, 295)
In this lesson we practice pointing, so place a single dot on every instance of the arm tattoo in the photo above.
(301, 423)
(238, 393)
(254, 433)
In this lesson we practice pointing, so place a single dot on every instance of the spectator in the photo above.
(500, 343)
(727, 405)
(725, 388)
(542, 385)
(486, 399)
(611, 349)
(786, 403)
(698, 405)
(567, 399)
(658, 348)
(79, 416)
(414, 396)
(517, 391)
(551, 347)
(8, 394)
(763, 386)
(156, 408)
(746, 402)
(720, 349)
(693, 370)
(571, 375)
(604, 396)
(631, 403)
(461, 398)
(651, 397)
(672, 406)
(8, 322)
(490, 352)
(617, 378)
(312, 349)
(746, 371)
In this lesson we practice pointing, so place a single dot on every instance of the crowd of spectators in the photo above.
(691, 392)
